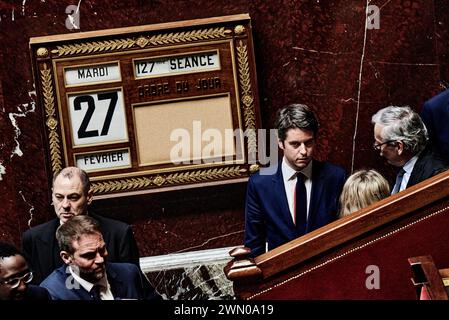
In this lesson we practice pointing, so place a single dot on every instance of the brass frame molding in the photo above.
(106, 94)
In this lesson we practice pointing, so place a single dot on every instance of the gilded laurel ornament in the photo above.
(239, 29)
(254, 168)
(203, 175)
(142, 42)
(170, 179)
(247, 100)
(159, 181)
(187, 36)
(42, 52)
(121, 185)
(247, 97)
(96, 46)
(52, 123)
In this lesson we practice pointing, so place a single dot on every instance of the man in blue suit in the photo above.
(303, 193)
(86, 275)
(71, 196)
(435, 115)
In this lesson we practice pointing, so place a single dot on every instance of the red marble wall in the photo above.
(314, 52)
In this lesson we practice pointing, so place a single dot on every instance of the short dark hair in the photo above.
(8, 250)
(73, 229)
(296, 116)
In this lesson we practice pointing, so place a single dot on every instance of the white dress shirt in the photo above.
(289, 176)
(105, 291)
(408, 168)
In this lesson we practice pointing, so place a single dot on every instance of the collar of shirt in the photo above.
(408, 168)
(289, 173)
(289, 177)
(103, 282)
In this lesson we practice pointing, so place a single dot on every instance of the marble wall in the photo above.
(309, 51)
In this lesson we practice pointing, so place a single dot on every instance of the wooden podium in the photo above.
(361, 256)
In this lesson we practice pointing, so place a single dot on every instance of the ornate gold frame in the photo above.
(52, 54)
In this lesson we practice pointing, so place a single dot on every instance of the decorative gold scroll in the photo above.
(52, 122)
(142, 42)
(247, 96)
(167, 180)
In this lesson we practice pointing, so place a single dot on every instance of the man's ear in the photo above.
(400, 146)
(281, 144)
(90, 196)
(66, 257)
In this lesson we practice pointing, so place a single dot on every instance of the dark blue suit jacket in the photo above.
(36, 293)
(435, 114)
(125, 280)
(41, 249)
(267, 215)
(428, 165)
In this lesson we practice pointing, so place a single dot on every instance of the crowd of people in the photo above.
(80, 255)
(305, 194)
(76, 256)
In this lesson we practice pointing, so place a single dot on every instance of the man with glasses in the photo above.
(301, 196)
(15, 277)
(402, 139)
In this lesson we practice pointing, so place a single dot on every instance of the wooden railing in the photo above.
(429, 281)
(411, 216)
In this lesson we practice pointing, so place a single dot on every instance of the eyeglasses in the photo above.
(377, 146)
(15, 282)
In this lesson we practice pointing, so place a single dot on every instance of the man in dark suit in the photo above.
(401, 137)
(86, 275)
(15, 277)
(435, 115)
(303, 193)
(71, 196)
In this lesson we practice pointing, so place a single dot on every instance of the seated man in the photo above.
(86, 275)
(401, 137)
(15, 277)
(71, 197)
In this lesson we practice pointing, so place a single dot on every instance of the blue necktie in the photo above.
(95, 292)
(301, 204)
(397, 185)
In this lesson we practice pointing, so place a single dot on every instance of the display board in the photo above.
(151, 108)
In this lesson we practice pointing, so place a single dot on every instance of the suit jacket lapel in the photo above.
(49, 257)
(281, 197)
(117, 285)
(418, 170)
(104, 231)
(317, 190)
(82, 293)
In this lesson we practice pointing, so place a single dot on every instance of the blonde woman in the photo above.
(363, 187)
